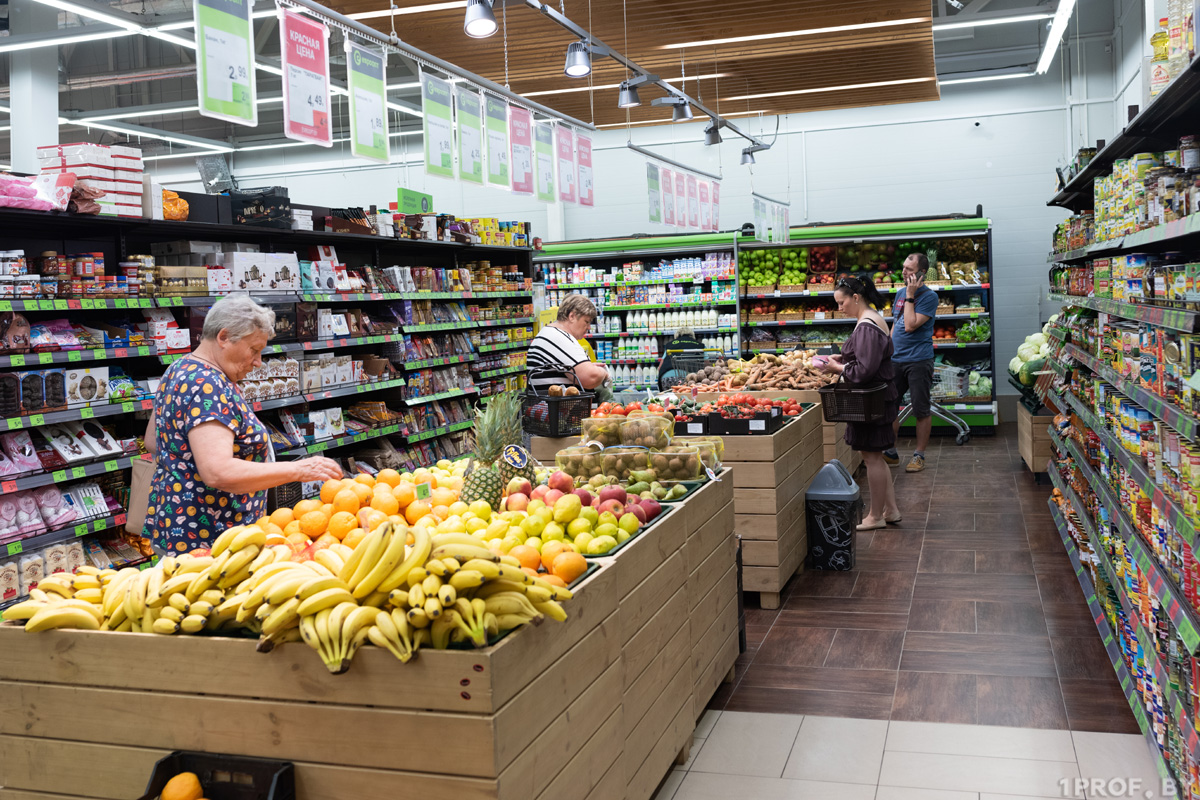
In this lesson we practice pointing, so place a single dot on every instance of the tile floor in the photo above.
(967, 612)
(766, 756)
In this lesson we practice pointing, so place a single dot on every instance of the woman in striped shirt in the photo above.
(555, 351)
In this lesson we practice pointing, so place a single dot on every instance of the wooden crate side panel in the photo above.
(832, 432)
(102, 659)
(763, 448)
(713, 675)
(708, 609)
(757, 553)
(676, 692)
(769, 526)
(660, 760)
(638, 697)
(544, 448)
(648, 551)
(768, 501)
(642, 603)
(752, 474)
(610, 787)
(718, 528)
(642, 649)
(705, 502)
(707, 574)
(18, 794)
(709, 643)
(554, 690)
(558, 742)
(585, 771)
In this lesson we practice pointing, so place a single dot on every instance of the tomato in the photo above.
(617, 411)
(599, 415)
(633, 407)
(777, 403)
(655, 407)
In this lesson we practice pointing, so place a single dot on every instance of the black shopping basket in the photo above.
(842, 402)
(544, 414)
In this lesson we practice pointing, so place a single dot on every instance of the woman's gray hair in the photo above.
(240, 316)
(685, 331)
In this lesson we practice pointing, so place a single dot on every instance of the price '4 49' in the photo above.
(316, 100)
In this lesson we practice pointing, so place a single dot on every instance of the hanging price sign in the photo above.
(564, 140)
(520, 132)
(304, 46)
(365, 69)
(225, 60)
(439, 126)
(543, 146)
(583, 154)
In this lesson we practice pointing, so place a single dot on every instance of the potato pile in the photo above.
(653, 432)
(605, 430)
(678, 463)
(763, 373)
(710, 449)
(710, 374)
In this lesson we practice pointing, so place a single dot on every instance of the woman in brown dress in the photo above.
(866, 360)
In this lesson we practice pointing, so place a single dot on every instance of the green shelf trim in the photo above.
(495, 348)
(1132, 242)
(499, 373)
(412, 401)
(1185, 424)
(443, 361)
(440, 326)
(678, 304)
(1160, 316)
(685, 242)
(71, 356)
(338, 441)
(442, 431)
(916, 228)
(643, 282)
(501, 323)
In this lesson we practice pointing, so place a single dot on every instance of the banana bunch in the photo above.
(336, 632)
(62, 601)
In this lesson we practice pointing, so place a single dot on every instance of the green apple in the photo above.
(607, 518)
(607, 529)
(601, 545)
(590, 514)
(582, 541)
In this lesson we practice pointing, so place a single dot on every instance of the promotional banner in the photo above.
(495, 114)
(705, 210)
(368, 103)
(653, 193)
(439, 126)
(470, 134)
(583, 151)
(543, 147)
(304, 48)
(716, 206)
(564, 143)
(668, 195)
(681, 206)
(225, 60)
(693, 195)
(520, 131)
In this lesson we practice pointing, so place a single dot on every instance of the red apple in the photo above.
(539, 492)
(520, 486)
(516, 502)
(652, 508)
(615, 507)
(637, 510)
(585, 497)
(561, 481)
(551, 497)
(613, 493)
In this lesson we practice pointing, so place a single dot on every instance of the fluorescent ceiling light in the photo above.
(968, 23)
(61, 40)
(983, 78)
(136, 114)
(191, 23)
(410, 10)
(600, 86)
(166, 137)
(847, 87)
(1062, 16)
(806, 32)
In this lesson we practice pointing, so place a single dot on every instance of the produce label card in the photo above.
(716, 206)
(583, 152)
(470, 135)
(368, 103)
(496, 119)
(681, 208)
(693, 201)
(520, 131)
(653, 193)
(705, 208)
(668, 196)
(439, 127)
(564, 139)
(225, 60)
(543, 135)
(304, 45)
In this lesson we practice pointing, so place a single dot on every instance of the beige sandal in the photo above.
(871, 526)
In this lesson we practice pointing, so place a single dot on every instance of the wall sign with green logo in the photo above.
(366, 69)
(469, 115)
(410, 202)
(653, 192)
(439, 126)
(496, 118)
(225, 60)
(543, 149)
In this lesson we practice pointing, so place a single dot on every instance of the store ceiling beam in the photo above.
(141, 130)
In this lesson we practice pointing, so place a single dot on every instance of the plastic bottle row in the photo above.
(663, 321)
(638, 347)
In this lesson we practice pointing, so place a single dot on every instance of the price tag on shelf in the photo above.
(147, 405)
(58, 476)
(127, 408)
(257, 406)
(37, 419)
(143, 351)
(119, 303)
(100, 524)
(145, 565)
(81, 530)
(5, 305)
(73, 304)
(74, 355)
(15, 548)
(78, 472)
(16, 423)
(87, 413)
(17, 361)
(960, 344)
(110, 466)
(960, 406)
(8, 486)
(60, 305)
(121, 352)
(423, 491)
(45, 358)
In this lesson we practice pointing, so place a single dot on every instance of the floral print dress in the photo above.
(184, 513)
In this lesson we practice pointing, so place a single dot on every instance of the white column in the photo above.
(34, 79)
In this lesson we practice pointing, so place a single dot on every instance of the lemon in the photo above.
(582, 541)
(533, 525)
(534, 542)
(480, 508)
(476, 524)
(601, 545)
(578, 526)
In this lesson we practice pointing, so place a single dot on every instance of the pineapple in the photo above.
(496, 428)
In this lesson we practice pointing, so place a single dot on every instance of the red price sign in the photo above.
(257, 406)
(121, 352)
(8, 486)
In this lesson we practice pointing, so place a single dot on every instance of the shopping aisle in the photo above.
(805, 757)
(966, 612)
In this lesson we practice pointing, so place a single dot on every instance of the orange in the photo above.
(415, 511)
(327, 510)
(388, 476)
(292, 527)
(277, 538)
(305, 506)
(282, 516)
(341, 523)
(184, 786)
(324, 540)
(370, 518)
(313, 524)
(442, 497)
(385, 503)
(365, 480)
(346, 500)
(271, 528)
(354, 537)
(550, 551)
(329, 489)
(569, 566)
(404, 493)
(362, 491)
(298, 538)
(554, 580)
(529, 571)
(529, 558)
(441, 512)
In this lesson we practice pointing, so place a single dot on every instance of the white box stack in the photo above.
(115, 170)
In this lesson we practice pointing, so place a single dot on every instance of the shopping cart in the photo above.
(684, 362)
(949, 383)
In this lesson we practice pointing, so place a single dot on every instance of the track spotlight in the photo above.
(629, 97)
(712, 134)
(747, 157)
(682, 111)
(479, 22)
(579, 60)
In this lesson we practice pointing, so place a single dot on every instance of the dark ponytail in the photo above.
(864, 286)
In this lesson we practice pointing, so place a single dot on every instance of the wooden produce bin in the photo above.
(770, 475)
(537, 715)
(544, 449)
(1033, 440)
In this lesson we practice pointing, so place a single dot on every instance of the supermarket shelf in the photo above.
(75, 304)
(66, 534)
(340, 297)
(496, 323)
(328, 394)
(1168, 234)
(654, 333)
(1164, 503)
(441, 361)
(960, 345)
(849, 320)
(496, 348)
(1111, 645)
(1184, 423)
(72, 414)
(339, 441)
(937, 287)
(440, 326)
(1161, 316)
(652, 246)
(70, 473)
(633, 360)
(72, 356)
(412, 401)
(453, 427)
(500, 373)
(1159, 124)
(678, 305)
(644, 282)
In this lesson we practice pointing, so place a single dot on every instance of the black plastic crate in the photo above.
(762, 423)
(227, 777)
(841, 403)
(694, 425)
(542, 415)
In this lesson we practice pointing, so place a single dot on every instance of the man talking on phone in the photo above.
(912, 345)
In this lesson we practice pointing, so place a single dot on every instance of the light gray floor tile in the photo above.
(980, 740)
(838, 750)
(708, 786)
(745, 743)
(977, 774)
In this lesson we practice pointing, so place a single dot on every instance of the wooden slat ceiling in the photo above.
(641, 29)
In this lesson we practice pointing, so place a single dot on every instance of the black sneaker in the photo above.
(892, 459)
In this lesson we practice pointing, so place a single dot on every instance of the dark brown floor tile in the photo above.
(893, 540)
(957, 494)
(832, 618)
(883, 561)
(972, 540)
(793, 646)
(1097, 705)
(1069, 619)
(912, 522)
(989, 522)
(856, 705)
(859, 649)
(1020, 702)
(1008, 562)
(893, 585)
(956, 616)
(935, 697)
(993, 506)
(755, 634)
(1060, 588)
(1081, 657)
(991, 588)
(863, 540)
(868, 681)
(960, 561)
(978, 654)
(1051, 561)
(854, 605)
(1019, 619)
(912, 505)
(1044, 541)
(822, 583)
(761, 616)
(950, 521)
(720, 697)
(999, 490)
(983, 644)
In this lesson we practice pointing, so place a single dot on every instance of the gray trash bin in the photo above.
(834, 507)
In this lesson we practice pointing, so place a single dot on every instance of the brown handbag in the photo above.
(139, 495)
